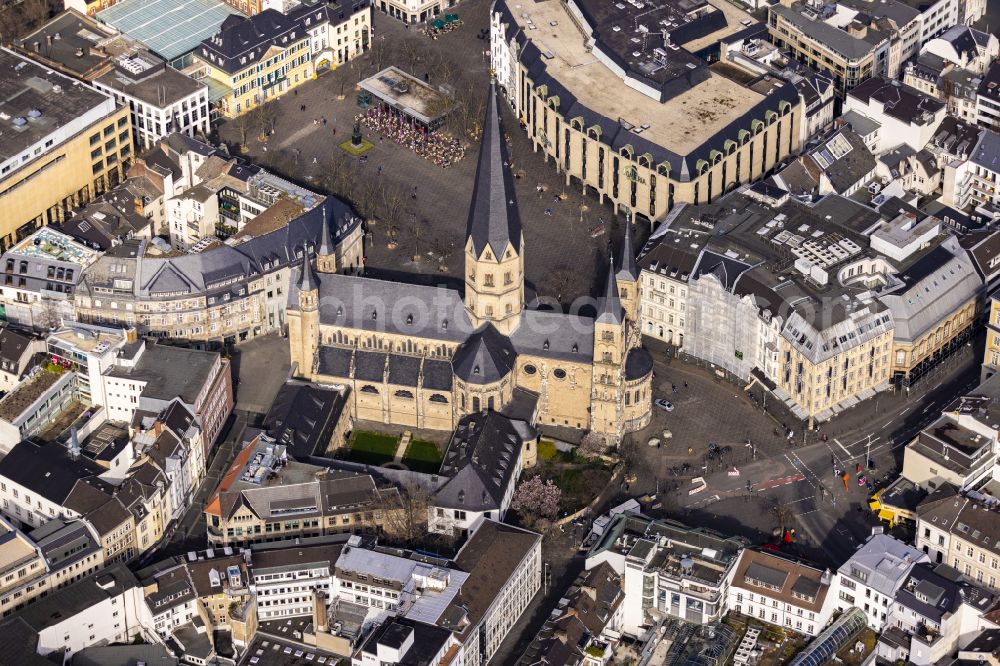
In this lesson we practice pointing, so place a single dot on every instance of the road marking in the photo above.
(841, 446)
(904, 411)
(801, 499)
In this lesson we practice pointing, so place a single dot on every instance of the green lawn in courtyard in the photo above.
(372, 448)
(422, 456)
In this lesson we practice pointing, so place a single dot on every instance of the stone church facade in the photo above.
(424, 357)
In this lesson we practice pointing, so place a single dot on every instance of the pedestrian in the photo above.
(314, 160)
(324, 121)
(296, 92)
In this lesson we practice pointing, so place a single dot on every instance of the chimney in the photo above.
(48, 39)
(74, 444)
(320, 620)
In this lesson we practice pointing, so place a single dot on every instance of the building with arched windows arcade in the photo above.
(623, 98)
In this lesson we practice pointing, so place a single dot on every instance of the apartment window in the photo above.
(95, 139)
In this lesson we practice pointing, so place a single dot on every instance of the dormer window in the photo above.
(374, 315)
(409, 320)
(475, 370)
(545, 345)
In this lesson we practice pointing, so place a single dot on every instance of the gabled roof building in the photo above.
(427, 357)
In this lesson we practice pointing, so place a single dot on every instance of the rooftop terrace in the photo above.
(51, 245)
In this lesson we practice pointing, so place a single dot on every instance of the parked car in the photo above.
(665, 405)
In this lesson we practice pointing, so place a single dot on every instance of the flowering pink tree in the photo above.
(537, 500)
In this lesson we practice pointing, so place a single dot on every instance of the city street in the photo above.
(790, 473)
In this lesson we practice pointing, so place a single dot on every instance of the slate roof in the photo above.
(13, 345)
(987, 151)
(78, 597)
(481, 460)
(591, 603)
(404, 370)
(638, 363)
(956, 137)
(932, 592)
(628, 270)
(242, 41)
(170, 372)
(494, 220)
(212, 273)
(487, 356)
(46, 470)
(900, 101)
(366, 304)
(963, 40)
(852, 167)
(437, 375)
(609, 306)
(335, 361)
(490, 556)
(303, 417)
(308, 280)
(554, 335)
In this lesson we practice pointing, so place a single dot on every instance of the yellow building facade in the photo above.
(257, 59)
(60, 150)
(425, 357)
(991, 357)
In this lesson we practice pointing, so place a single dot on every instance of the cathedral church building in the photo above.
(424, 357)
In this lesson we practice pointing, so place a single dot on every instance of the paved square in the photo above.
(562, 258)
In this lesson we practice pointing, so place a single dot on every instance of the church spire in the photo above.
(325, 242)
(307, 279)
(493, 216)
(326, 253)
(609, 306)
(628, 270)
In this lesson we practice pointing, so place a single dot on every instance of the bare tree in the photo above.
(442, 249)
(393, 200)
(629, 454)
(340, 177)
(404, 514)
(244, 125)
(782, 514)
(368, 196)
(559, 281)
(411, 53)
(415, 227)
(263, 118)
(378, 54)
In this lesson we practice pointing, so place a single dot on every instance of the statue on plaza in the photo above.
(356, 137)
